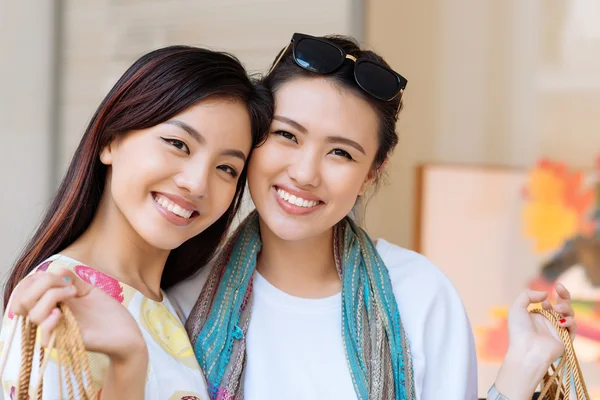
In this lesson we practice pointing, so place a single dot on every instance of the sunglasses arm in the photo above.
(279, 58)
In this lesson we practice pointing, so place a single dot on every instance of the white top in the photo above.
(173, 372)
(295, 348)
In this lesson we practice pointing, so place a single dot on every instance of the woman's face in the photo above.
(317, 159)
(172, 181)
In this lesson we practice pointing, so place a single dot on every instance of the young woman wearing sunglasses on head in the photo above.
(301, 303)
(148, 197)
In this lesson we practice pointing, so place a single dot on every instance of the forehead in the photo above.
(220, 121)
(325, 108)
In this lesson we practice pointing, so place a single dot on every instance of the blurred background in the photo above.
(498, 83)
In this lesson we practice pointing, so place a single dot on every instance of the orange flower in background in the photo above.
(492, 341)
(558, 205)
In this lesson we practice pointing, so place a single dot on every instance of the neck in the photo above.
(111, 245)
(303, 268)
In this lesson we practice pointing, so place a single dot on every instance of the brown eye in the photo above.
(341, 153)
(286, 135)
(230, 170)
(178, 144)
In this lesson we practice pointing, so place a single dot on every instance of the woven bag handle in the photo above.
(67, 343)
(556, 384)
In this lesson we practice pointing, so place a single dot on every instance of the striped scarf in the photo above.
(377, 350)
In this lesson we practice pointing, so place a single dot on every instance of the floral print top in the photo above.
(173, 373)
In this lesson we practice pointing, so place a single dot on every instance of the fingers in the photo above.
(528, 297)
(32, 288)
(81, 287)
(566, 310)
(563, 305)
(546, 305)
(48, 325)
(570, 324)
(48, 302)
(563, 293)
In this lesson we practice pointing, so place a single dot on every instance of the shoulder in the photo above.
(55, 263)
(409, 269)
(183, 295)
(421, 289)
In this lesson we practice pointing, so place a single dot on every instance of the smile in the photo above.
(172, 207)
(297, 201)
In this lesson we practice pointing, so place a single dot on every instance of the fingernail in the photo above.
(562, 321)
(66, 279)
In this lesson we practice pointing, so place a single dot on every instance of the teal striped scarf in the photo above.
(377, 351)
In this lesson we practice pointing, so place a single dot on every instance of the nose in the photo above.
(194, 179)
(305, 169)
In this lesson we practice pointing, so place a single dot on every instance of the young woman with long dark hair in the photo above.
(150, 193)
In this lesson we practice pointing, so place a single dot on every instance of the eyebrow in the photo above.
(235, 153)
(200, 139)
(330, 139)
(192, 132)
(346, 141)
(291, 122)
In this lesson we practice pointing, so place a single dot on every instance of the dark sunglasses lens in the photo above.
(317, 56)
(377, 80)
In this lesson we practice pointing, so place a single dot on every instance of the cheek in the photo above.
(224, 193)
(344, 182)
(139, 165)
(266, 162)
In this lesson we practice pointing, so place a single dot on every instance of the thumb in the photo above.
(528, 297)
(82, 288)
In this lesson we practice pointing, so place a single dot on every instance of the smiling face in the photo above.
(317, 160)
(170, 182)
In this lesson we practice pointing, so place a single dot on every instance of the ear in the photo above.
(106, 154)
(373, 175)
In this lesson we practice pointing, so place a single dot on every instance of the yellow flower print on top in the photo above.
(167, 331)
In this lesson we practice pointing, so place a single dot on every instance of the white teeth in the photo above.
(172, 207)
(297, 201)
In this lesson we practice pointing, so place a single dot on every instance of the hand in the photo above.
(106, 326)
(534, 343)
(532, 334)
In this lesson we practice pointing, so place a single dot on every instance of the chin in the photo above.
(163, 239)
(163, 243)
(291, 230)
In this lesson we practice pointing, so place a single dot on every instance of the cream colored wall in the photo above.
(477, 93)
(26, 48)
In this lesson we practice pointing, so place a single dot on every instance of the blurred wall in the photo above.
(27, 31)
(480, 90)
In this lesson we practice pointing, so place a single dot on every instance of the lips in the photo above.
(296, 200)
(174, 207)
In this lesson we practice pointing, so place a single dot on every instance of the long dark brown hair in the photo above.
(158, 86)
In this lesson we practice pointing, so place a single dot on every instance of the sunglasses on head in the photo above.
(324, 57)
